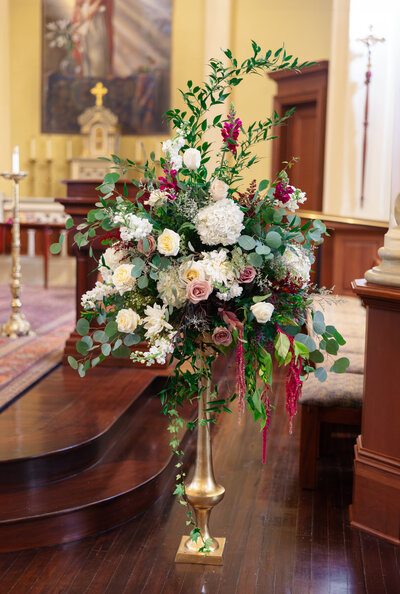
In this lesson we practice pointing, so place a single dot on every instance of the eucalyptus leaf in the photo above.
(82, 326)
(73, 362)
(100, 336)
(321, 374)
(247, 242)
(307, 341)
(131, 339)
(273, 239)
(340, 365)
(106, 349)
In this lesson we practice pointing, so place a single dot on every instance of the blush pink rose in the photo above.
(198, 290)
(222, 336)
(247, 274)
(152, 245)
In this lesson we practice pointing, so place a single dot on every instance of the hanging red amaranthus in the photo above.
(232, 321)
(293, 381)
(268, 414)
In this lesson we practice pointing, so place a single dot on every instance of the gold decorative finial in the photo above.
(98, 91)
(369, 41)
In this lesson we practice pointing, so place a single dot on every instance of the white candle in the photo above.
(33, 149)
(48, 149)
(69, 149)
(15, 160)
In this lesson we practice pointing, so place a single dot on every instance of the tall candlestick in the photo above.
(15, 160)
(17, 325)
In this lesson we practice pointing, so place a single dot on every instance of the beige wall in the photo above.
(303, 26)
(5, 124)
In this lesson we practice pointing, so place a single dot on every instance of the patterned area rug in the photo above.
(23, 361)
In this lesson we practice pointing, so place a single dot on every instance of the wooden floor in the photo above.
(279, 539)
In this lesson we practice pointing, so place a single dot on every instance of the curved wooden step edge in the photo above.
(59, 464)
(74, 524)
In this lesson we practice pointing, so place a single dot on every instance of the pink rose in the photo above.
(222, 336)
(152, 245)
(247, 275)
(198, 290)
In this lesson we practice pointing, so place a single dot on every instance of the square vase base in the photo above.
(213, 558)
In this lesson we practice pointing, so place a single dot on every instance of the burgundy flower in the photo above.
(230, 131)
(247, 274)
(222, 336)
(169, 183)
(283, 192)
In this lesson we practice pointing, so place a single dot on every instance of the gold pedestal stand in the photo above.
(17, 325)
(203, 493)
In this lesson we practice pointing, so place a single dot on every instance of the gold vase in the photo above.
(203, 492)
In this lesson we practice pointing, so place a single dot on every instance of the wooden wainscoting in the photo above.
(351, 249)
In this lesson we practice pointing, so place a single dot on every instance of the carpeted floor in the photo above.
(23, 361)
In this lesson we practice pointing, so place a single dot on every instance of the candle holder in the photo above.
(17, 325)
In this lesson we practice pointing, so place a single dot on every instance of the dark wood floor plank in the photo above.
(279, 539)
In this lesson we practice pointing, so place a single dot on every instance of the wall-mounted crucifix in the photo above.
(369, 41)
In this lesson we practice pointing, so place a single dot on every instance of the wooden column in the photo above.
(376, 491)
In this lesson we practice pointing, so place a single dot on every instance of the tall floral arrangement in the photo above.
(194, 261)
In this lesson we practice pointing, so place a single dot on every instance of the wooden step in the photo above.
(65, 423)
(124, 482)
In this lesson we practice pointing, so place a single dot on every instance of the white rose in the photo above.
(218, 190)
(122, 278)
(168, 243)
(127, 321)
(262, 311)
(191, 271)
(192, 158)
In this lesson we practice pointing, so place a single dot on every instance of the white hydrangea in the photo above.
(91, 297)
(235, 290)
(171, 288)
(160, 348)
(219, 222)
(217, 268)
(154, 320)
(296, 263)
(132, 226)
(112, 259)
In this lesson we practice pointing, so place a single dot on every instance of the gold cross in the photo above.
(98, 91)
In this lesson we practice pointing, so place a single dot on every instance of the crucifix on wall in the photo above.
(369, 41)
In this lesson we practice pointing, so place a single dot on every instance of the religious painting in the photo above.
(124, 44)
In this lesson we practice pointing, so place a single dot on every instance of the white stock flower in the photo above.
(91, 297)
(171, 149)
(154, 320)
(235, 290)
(192, 158)
(156, 196)
(218, 190)
(217, 268)
(168, 243)
(127, 320)
(122, 278)
(262, 311)
(219, 222)
(132, 226)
